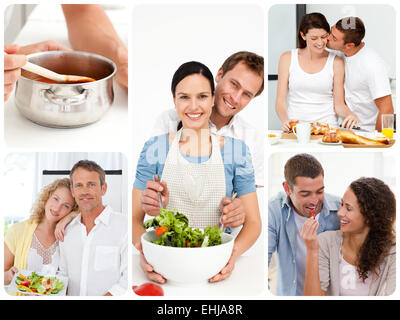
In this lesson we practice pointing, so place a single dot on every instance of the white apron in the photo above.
(195, 189)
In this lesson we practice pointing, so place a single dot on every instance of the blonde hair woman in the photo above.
(32, 243)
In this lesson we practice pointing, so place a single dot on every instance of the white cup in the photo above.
(303, 132)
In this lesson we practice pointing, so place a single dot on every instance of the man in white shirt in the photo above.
(94, 251)
(367, 86)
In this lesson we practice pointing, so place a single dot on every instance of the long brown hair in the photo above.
(377, 204)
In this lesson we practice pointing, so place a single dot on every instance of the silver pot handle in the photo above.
(65, 101)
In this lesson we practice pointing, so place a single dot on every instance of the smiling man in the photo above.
(366, 84)
(304, 194)
(94, 251)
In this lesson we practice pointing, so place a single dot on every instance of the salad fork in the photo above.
(228, 230)
(156, 178)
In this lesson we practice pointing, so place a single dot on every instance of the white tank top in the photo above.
(310, 96)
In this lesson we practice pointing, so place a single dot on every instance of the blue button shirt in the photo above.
(282, 236)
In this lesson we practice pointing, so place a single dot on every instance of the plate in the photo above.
(330, 143)
(12, 289)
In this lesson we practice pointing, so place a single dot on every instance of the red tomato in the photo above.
(160, 230)
(148, 289)
(26, 283)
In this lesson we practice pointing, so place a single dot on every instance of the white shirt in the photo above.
(301, 252)
(96, 263)
(366, 79)
(237, 128)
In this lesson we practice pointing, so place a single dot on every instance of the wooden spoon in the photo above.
(63, 78)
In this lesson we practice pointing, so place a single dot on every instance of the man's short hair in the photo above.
(302, 165)
(353, 29)
(253, 61)
(89, 166)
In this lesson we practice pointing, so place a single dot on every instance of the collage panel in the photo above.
(69, 235)
(47, 48)
(332, 169)
(198, 150)
(332, 76)
(331, 223)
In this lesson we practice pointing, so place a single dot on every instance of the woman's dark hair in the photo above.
(378, 206)
(187, 69)
(309, 21)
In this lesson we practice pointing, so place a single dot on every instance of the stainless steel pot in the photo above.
(67, 105)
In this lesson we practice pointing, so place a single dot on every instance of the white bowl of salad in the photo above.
(185, 255)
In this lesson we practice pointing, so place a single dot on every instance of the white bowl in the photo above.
(187, 266)
(275, 139)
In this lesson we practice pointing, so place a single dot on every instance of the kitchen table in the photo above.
(110, 133)
(247, 279)
(313, 144)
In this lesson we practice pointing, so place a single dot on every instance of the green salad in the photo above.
(172, 230)
(36, 283)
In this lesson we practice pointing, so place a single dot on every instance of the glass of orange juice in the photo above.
(388, 125)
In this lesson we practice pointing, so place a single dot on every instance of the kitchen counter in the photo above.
(247, 279)
(110, 133)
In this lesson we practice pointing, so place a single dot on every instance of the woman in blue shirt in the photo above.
(198, 168)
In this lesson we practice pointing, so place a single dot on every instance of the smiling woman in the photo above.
(32, 243)
(360, 258)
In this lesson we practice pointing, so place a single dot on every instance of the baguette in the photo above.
(347, 136)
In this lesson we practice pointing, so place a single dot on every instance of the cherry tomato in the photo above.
(148, 289)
